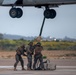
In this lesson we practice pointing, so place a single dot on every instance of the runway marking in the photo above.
(11, 67)
(66, 67)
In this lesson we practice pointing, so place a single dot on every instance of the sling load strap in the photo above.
(39, 37)
(42, 26)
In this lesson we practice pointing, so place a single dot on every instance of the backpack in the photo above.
(49, 66)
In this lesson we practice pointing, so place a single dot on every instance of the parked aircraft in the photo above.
(48, 13)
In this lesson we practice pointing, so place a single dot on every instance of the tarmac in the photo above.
(61, 70)
(64, 67)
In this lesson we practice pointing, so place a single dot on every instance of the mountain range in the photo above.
(16, 37)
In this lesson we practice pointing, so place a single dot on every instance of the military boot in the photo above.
(15, 69)
(28, 69)
(23, 68)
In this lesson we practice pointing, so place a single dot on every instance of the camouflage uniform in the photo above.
(20, 51)
(38, 56)
(29, 51)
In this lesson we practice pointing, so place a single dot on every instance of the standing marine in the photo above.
(29, 51)
(38, 56)
(20, 51)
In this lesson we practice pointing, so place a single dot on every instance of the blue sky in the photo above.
(29, 24)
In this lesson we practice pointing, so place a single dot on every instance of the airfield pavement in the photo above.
(64, 67)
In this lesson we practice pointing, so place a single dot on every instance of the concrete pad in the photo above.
(55, 72)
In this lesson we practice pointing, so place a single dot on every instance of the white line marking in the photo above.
(10, 67)
(61, 67)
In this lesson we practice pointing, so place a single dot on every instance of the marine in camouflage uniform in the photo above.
(38, 56)
(20, 51)
(29, 51)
